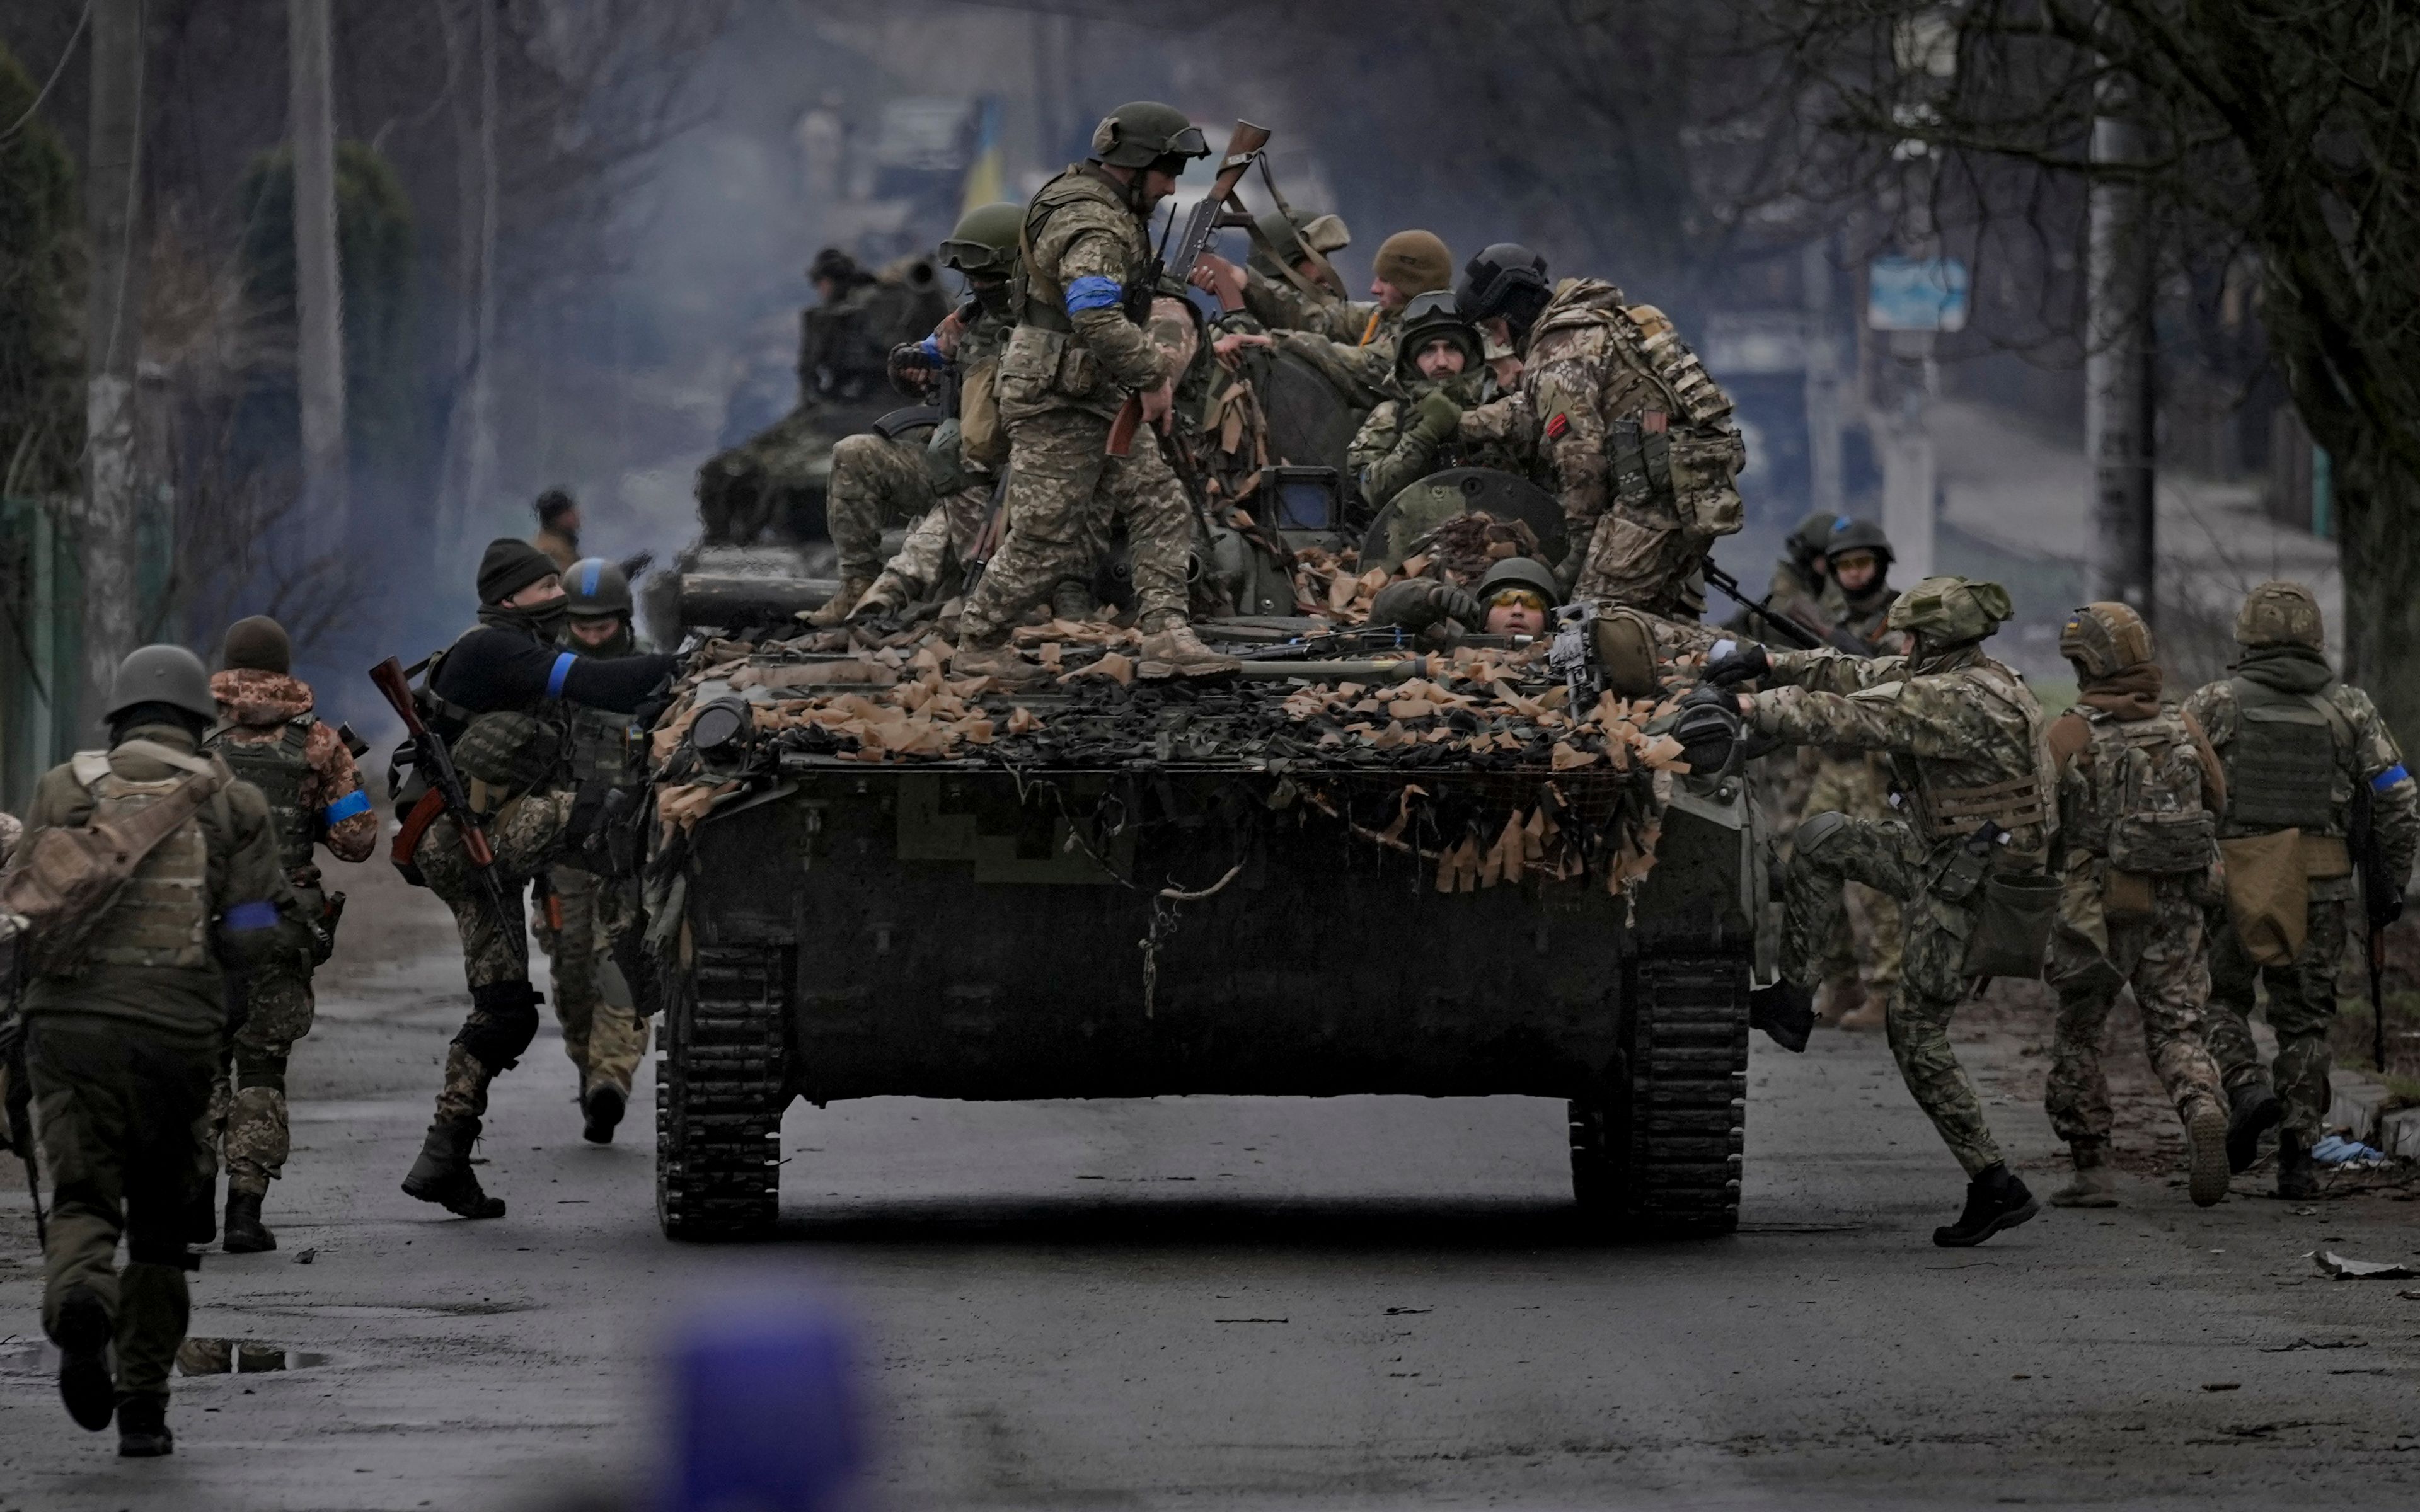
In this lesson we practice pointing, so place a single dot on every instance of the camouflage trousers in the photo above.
(602, 1032)
(2302, 1004)
(875, 483)
(1062, 491)
(248, 1105)
(525, 836)
(1869, 946)
(1886, 856)
(935, 547)
(1641, 562)
(2162, 960)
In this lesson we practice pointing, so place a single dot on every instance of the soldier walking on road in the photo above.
(1862, 965)
(269, 736)
(500, 695)
(2139, 796)
(1071, 365)
(1965, 736)
(2297, 746)
(603, 1032)
(122, 1041)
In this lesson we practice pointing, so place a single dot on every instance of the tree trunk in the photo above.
(2118, 422)
(2376, 502)
(319, 291)
(104, 517)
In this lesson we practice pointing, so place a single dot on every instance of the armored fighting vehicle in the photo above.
(1352, 868)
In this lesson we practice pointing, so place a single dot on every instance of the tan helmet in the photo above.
(2104, 638)
(1951, 611)
(2280, 614)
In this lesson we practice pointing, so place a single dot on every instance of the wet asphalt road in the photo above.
(1248, 1303)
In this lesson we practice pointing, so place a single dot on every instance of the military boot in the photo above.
(1837, 998)
(2206, 1152)
(1784, 1013)
(2253, 1111)
(2298, 1173)
(2094, 1183)
(442, 1173)
(600, 1112)
(142, 1425)
(836, 608)
(1874, 1012)
(1073, 601)
(1996, 1199)
(246, 1233)
(878, 601)
(1177, 651)
(1000, 663)
(82, 1335)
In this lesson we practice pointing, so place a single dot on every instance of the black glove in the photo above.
(910, 369)
(1455, 603)
(1741, 663)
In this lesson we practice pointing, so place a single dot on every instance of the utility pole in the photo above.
(319, 288)
(2119, 406)
(1825, 491)
(104, 516)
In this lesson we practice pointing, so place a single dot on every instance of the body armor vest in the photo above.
(2282, 765)
(2145, 781)
(1045, 296)
(2025, 800)
(162, 917)
(502, 754)
(601, 743)
(281, 769)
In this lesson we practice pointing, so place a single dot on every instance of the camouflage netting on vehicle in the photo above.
(1461, 550)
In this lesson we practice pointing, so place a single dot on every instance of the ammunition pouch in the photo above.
(2162, 845)
(1626, 653)
(1042, 364)
(1963, 875)
(2012, 927)
(2127, 897)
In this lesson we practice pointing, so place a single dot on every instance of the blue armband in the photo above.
(357, 801)
(2389, 778)
(563, 666)
(1093, 292)
(245, 918)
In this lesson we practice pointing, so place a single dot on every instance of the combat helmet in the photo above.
(161, 675)
(1851, 535)
(1951, 611)
(1505, 279)
(1429, 318)
(1298, 233)
(984, 242)
(595, 589)
(1813, 537)
(1520, 572)
(2280, 614)
(2103, 638)
(1141, 133)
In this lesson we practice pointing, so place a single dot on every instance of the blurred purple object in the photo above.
(764, 1408)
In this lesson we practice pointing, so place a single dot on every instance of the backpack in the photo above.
(59, 888)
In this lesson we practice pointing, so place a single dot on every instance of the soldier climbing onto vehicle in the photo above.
(1440, 380)
(2299, 748)
(270, 735)
(2139, 796)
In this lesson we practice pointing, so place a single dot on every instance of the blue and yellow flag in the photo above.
(986, 174)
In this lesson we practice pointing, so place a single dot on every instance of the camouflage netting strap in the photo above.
(1951, 812)
(281, 769)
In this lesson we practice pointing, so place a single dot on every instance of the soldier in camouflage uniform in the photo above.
(2139, 796)
(1074, 359)
(2296, 744)
(1641, 442)
(269, 736)
(603, 1031)
(1965, 739)
(1442, 382)
(1862, 965)
(1352, 343)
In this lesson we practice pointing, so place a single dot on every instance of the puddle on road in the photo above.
(242, 1357)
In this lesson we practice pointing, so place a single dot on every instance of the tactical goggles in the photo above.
(1189, 142)
(1529, 598)
(975, 258)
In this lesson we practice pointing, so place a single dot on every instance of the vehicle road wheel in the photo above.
(720, 1086)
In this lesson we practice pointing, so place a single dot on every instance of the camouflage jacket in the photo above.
(1220, 423)
(2365, 753)
(1281, 306)
(1953, 726)
(1385, 456)
(256, 706)
(1084, 249)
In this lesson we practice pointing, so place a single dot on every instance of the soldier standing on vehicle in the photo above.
(942, 480)
(1440, 378)
(2296, 745)
(1075, 358)
(122, 1042)
(269, 736)
(500, 697)
(1641, 442)
(558, 527)
(2139, 796)
(1965, 736)
(1862, 963)
(603, 1032)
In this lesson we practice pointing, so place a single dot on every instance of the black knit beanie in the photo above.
(510, 566)
(260, 643)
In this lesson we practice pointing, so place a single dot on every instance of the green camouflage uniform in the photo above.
(120, 1056)
(2302, 994)
(1950, 722)
(602, 1032)
(960, 484)
(1388, 454)
(1069, 368)
(2114, 769)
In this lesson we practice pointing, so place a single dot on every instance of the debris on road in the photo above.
(2332, 1264)
(2336, 1149)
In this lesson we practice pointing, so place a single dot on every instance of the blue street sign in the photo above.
(1916, 294)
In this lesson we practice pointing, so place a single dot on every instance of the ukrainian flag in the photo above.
(986, 174)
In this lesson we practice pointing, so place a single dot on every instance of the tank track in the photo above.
(721, 1083)
(1660, 1151)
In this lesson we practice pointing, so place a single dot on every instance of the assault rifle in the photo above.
(446, 795)
(1783, 625)
(986, 542)
(1176, 267)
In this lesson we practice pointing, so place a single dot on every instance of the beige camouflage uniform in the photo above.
(1951, 721)
(1068, 369)
(960, 505)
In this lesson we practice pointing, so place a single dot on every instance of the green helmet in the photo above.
(1429, 318)
(2104, 638)
(1141, 131)
(1300, 233)
(597, 588)
(2280, 614)
(985, 241)
(1951, 611)
(161, 675)
(1852, 536)
(1519, 572)
(1813, 536)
